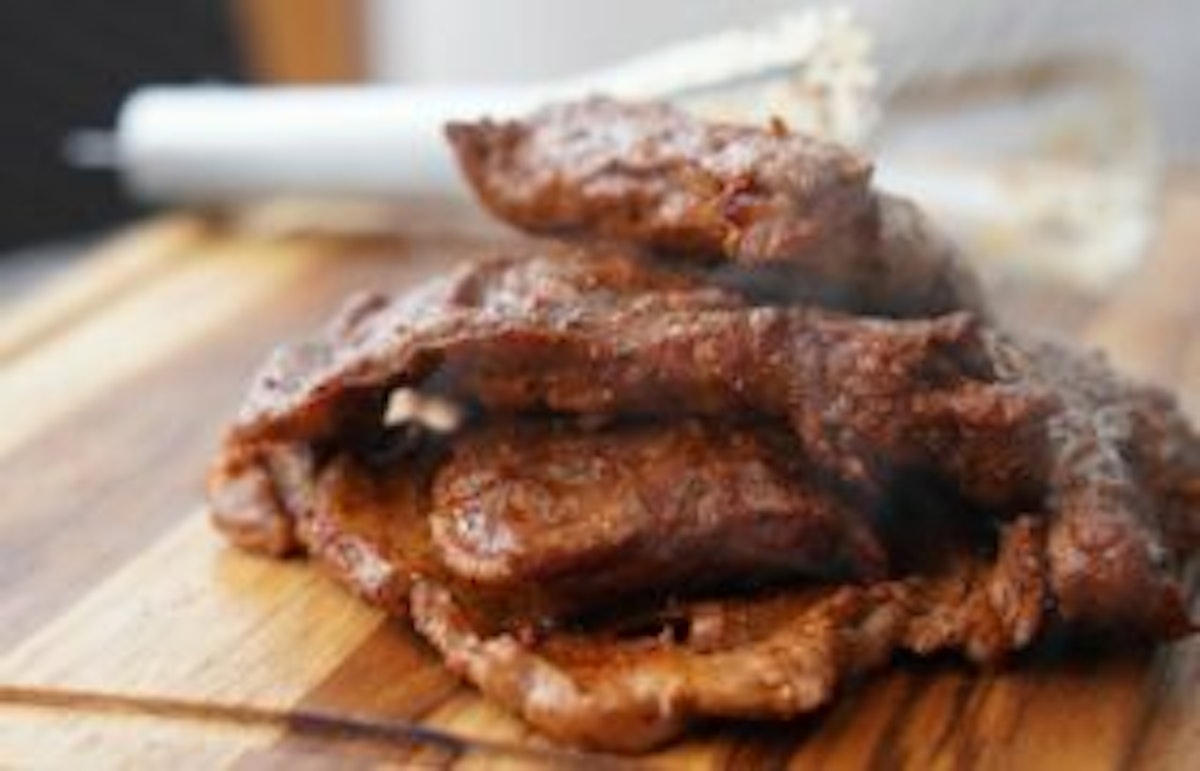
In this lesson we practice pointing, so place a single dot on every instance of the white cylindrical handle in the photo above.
(216, 143)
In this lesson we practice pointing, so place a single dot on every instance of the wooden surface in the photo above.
(130, 636)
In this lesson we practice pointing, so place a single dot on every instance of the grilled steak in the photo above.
(649, 173)
(863, 396)
(626, 485)
(633, 512)
(1122, 491)
(797, 216)
(773, 655)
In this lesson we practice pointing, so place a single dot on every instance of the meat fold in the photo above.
(369, 529)
(864, 397)
(796, 216)
(1011, 424)
(744, 434)
(257, 492)
(531, 523)
(771, 655)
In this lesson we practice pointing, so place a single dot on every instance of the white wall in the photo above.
(496, 40)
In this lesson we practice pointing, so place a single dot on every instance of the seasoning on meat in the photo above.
(863, 396)
(774, 655)
(767, 201)
(627, 485)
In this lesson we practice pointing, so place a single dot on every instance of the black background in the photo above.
(66, 64)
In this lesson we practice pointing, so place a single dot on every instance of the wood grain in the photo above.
(116, 591)
(126, 261)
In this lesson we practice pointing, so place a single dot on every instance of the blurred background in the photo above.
(67, 65)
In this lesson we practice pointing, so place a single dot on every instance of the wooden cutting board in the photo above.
(131, 636)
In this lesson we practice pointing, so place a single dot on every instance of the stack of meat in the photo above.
(738, 431)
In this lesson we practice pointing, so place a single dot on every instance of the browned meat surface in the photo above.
(369, 529)
(1019, 426)
(546, 521)
(914, 270)
(757, 197)
(650, 173)
(564, 277)
(1122, 492)
(598, 516)
(864, 396)
(676, 489)
(775, 655)
(256, 493)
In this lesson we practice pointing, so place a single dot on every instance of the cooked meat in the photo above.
(910, 271)
(1007, 423)
(544, 521)
(916, 270)
(1122, 491)
(256, 493)
(649, 173)
(1166, 450)
(718, 193)
(569, 277)
(369, 528)
(864, 396)
(774, 655)
(681, 481)
(642, 511)
(251, 481)
(1114, 467)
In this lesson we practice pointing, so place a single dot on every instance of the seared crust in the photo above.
(863, 396)
(1122, 491)
(642, 510)
(649, 173)
(776, 655)
(681, 479)
(775, 212)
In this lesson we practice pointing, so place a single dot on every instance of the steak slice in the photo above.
(652, 174)
(773, 655)
(369, 529)
(797, 216)
(257, 492)
(1122, 491)
(532, 523)
(865, 397)
(599, 518)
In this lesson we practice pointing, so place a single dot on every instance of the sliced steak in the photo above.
(593, 518)
(773, 655)
(652, 174)
(1122, 491)
(865, 397)
(782, 216)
